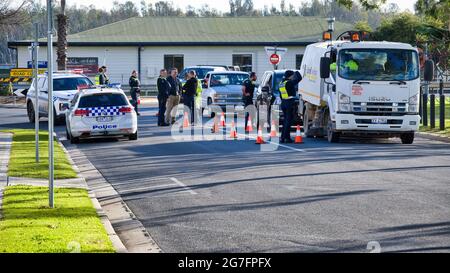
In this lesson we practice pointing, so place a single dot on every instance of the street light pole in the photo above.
(36, 90)
(50, 103)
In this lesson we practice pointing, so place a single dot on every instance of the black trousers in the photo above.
(162, 109)
(188, 101)
(134, 96)
(287, 106)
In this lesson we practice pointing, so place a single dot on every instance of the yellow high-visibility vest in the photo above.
(283, 91)
(97, 79)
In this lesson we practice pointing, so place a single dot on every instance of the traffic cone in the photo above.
(298, 136)
(233, 133)
(273, 130)
(249, 127)
(259, 138)
(186, 120)
(222, 120)
(215, 128)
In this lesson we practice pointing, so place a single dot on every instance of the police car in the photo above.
(65, 85)
(100, 112)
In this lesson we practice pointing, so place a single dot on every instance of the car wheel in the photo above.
(407, 138)
(133, 136)
(30, 112)
(74, 140)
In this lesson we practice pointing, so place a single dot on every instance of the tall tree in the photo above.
(10, 16)
(61, 45)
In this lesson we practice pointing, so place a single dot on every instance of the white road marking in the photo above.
(188, 189)
(147, 188)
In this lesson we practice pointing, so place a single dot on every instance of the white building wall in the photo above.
(122, 60)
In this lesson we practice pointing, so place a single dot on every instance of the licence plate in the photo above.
(104, 119)
(379, 121)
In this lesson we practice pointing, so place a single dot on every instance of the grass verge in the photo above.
(22, 162)
(436, 130)
(29, 226)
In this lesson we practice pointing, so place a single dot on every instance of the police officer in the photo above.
(198, 98)
(288, 93)
(135, 90)
(163, 93)
(189, 92)
(102, 78)
(248, 90)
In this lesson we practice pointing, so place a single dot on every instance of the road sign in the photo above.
(280, 51)
(41, 64)
(274, 59)
(23, 72)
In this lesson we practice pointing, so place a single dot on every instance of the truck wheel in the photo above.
(30, 112)
(407, 138)
(333, 137)
(306, 123)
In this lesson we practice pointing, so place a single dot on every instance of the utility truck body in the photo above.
(360, 89)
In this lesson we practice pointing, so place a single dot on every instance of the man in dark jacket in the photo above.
(135, 90)
(189, 91)
(248, 90)
(174, 95)
(163, 93)
(288, 93)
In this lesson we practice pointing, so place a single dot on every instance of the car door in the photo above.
(206, 91)
(43, 96)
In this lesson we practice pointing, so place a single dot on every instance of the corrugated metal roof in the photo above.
(219, 30)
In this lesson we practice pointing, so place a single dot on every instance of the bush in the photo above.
(4, 90)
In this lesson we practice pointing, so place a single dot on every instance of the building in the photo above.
(147, 44)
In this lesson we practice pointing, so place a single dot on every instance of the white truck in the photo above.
(361, 89)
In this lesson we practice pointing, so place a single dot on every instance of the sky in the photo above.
(221, 5)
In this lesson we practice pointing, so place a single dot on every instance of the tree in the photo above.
(400, 28)
(10, 16)
(367, 4)
(363, 26)
(61, 45)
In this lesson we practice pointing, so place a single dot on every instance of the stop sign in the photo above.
(274, 59)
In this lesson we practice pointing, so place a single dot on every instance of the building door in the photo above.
(244, 61)
(171, 61)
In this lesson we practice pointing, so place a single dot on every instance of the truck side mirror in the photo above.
(428, 72)
(325, 67)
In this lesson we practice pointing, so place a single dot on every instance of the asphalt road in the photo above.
(229, 196)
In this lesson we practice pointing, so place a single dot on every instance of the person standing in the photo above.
(189, 92)
(248, 90)
(135, 90)
(198, 98)
(102, 78)
(174, 96)
(288, 93)
(163, 93)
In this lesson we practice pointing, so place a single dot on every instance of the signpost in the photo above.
(36, 89)
(50, 103)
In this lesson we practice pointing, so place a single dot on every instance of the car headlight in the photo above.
(344, 102)
(413, 104)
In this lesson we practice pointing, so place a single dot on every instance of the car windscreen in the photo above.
(65, 84)
(378, 64)
(102, 100)
(201, 72)
(227, 79)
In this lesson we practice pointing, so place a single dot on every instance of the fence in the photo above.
(435, 106)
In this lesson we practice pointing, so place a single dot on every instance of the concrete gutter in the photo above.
(436, 137)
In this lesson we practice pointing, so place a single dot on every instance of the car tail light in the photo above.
(81, 112)
(125, 110)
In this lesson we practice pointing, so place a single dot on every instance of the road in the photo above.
(229, 196)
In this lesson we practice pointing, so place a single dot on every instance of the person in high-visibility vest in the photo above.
(101, 78)
(198, 99)
(288, 93)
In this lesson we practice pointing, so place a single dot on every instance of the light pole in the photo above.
(50, 103)
(331, 21)
(36, 90)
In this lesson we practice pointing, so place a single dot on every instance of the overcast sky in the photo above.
(221, 5)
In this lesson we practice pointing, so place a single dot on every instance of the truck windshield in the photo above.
(228, 79)
(378, 64)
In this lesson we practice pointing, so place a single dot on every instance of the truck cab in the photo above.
(360, 88)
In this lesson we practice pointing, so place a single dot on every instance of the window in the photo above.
(65, 84)
(298, 61)
(171, 61)
(102, 100)
(228, 79)
(244, 61)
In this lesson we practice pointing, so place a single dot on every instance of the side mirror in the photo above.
(325, 67)
(428, 72)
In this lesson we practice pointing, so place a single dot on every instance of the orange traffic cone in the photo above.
(222, 120)
(215, 128)
(298, 136)
(249, 127)
(273, 130)
(233, 133)
(186, 120)
(259, 138)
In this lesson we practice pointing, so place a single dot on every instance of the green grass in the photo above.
(29, 226)
(22, 162)
(436, 130)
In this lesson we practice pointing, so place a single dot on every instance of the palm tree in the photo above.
(61, 45)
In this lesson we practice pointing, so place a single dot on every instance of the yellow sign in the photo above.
(24, 72)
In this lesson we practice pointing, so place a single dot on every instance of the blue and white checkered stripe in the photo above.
(104, 111)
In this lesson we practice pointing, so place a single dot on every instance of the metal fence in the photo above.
(433, 105)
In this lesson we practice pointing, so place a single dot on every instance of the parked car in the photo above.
(65, 86)
(100, 113)
(268, 93)
(223, 88)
